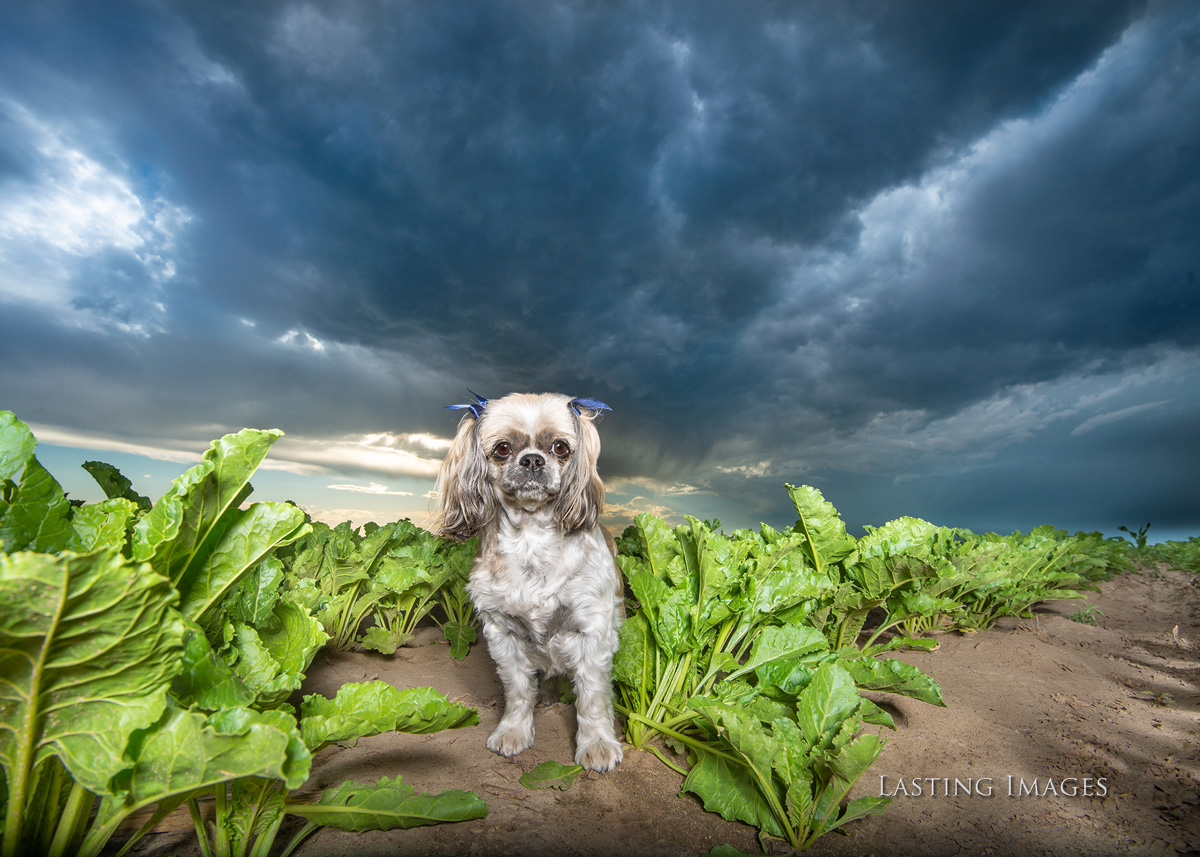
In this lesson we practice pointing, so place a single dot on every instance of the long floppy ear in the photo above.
(465, 504)
(581, 499)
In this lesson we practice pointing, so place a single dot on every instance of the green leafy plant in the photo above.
(88, 645)
(718, 657)
(1160, 699)
(898, 568)
(1184, 556)
(1095, 557)
(729, 633)
(115, 485)
(459, 624)
(250, 810)
(147, 655)
(1138, 538)
(1086, 615)
(788, 777)
(388, 577)
(1009, 575)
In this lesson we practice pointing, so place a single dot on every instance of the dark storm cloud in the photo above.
(774, 236)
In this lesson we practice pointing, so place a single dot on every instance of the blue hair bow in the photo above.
(476, 409)
(590, 404)
(481, 403)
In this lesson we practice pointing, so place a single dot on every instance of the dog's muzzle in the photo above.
(528, 475)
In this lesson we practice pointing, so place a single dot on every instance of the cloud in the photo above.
(333, 517)
(858, 244)
(625, 484)
(76, 439)
(381, 454)
(897, 443)
(376, 454)
(374, 488)
(1099, 420)
(76, 238)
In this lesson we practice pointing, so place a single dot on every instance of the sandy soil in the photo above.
(1057, 738)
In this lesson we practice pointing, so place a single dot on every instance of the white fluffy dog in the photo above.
(521, 474)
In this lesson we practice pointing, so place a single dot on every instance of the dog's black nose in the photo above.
(532, 461)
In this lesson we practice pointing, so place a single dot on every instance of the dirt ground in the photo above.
(1057, 738)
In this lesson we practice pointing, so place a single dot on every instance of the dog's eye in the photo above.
(560, 448)
(502, 450)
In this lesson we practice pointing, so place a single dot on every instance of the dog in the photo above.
(521, 474)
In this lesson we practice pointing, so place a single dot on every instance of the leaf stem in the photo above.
(305, 832)
(220, 817)
(201, 829)
(694, 743)
(74, 817)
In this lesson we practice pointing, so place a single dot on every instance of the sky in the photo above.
(936, 260)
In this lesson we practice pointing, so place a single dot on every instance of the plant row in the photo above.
(748, 653)
(148, 654)
(151, 655)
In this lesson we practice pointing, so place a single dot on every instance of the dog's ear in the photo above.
(465, 502)
(581, 500)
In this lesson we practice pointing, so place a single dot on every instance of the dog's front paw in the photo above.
(600, 755)
(508, 739)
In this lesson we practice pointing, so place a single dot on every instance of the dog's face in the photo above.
(529, 442)
(522, 452)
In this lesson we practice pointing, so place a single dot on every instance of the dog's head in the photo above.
(527, 452)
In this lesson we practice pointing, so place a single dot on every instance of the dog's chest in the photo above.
(535, 583)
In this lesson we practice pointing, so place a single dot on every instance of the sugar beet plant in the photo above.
(146, 656)
(386, 578)
(724, 658)
(747, 651)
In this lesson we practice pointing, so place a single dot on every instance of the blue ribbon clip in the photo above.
(476, 409)
(590, 404)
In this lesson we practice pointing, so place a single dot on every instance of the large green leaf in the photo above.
(460, 636)
(248, 537)
(747, 792)
(88, 645)
(115, 484)
(34, 512)
(380, 639)
(16, 445)
(273, 657)
(102, 525)
(369, 708)
(822, 707)
(728, 789)
(297, 760)
(660, 547)
(207, 681)
(826, 539)
(388, 805)
(172, 535)
(902, 536)
(777, 644)
(850, 763)
(186, 751)
(551, 775)
(635, 655)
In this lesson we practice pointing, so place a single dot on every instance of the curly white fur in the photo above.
(522, 475)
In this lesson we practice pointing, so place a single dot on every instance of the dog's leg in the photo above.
(596, 744)
(515, 732)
